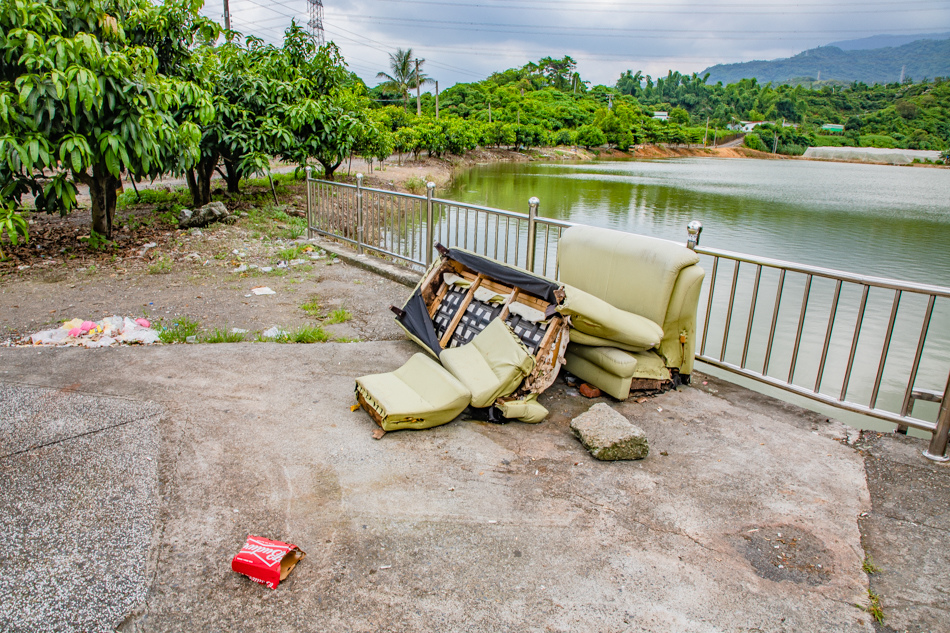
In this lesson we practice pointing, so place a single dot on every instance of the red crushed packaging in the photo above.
(266, 561)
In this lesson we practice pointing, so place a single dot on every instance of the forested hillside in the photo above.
(920, 60)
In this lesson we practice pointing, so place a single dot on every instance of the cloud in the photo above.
(467, 41)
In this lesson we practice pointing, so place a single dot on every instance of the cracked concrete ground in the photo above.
(469, 526)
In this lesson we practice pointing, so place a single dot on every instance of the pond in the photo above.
(877, 220)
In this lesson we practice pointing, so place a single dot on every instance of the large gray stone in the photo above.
(203, 216)
(608, 435)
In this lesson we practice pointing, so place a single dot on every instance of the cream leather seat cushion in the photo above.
(491, 365)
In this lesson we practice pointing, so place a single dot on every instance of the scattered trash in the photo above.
(282, 264)
(240, 269)
(589, 391)
(297, 262)
(237, 330)
(263, 290)
(265, 561)
(385, 566)
(104, 333)
(274, 332)
(23, 267)
(191, 339)
(570, 380)
(266, 269)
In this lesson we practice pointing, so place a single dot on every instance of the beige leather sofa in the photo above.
(632, 300)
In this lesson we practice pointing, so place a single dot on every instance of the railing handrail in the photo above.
(829, 273)
(398, 233)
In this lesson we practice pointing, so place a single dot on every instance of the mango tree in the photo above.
(82, 98)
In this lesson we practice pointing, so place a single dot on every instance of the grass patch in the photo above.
(180, 329)
(223, 336)
(415, 185)
(312, 306)
(873, 607)
(129, 198)
(161, 266)
(869, 567)
(293, 252)
(340, 315)
(305, 334)
(297, 227)
(345, 339)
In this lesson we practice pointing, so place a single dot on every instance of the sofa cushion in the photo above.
(614, 360)
(419, 395)
(596, 317)
(491, 365)
(635, 273)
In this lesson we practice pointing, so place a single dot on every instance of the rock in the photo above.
(608, 435)
(211, 212)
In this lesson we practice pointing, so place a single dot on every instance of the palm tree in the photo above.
(404, 77)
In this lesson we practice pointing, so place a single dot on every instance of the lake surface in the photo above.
(886, 221)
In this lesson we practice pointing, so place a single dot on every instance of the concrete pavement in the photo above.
(741, 519)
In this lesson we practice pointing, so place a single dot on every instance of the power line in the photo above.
(747, 9)
(600, 31)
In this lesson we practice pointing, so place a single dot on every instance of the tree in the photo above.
(404, 76)
(82, 98)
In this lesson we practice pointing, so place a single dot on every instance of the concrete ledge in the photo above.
(399, 274)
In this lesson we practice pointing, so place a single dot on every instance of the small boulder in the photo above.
(203, 216)
(608, 435)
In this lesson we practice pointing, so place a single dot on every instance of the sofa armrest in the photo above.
(598, 318)
(678, 346)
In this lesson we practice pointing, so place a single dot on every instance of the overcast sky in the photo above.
(467, 41)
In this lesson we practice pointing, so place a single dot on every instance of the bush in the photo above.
(754, 141)
(590, 136)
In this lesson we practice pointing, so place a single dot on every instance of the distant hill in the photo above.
(922, 58)
(886, 41)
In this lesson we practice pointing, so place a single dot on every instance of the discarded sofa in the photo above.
(496, 340)
(632, 303)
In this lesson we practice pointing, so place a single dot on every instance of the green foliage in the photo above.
(305, 334)
(13, 226)
(312, 306)
(223, 336)
(180, 329)
(87, 93)
(161, 266)
(869, 567)
(754, 141)
(340, 315)
(591, 136)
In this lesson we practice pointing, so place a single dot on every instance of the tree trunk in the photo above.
(328, 168)
(199, 180)
(102, 190)
(233, 178)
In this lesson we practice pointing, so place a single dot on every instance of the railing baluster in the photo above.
(497, 220)
(908, 401)
(831, 325)
(887, 344)
(709, 304)
(858, 322)
(801, 326)
(748, 327)
(775, 309)
(732, 301)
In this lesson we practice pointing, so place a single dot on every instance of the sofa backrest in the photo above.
(633, 272)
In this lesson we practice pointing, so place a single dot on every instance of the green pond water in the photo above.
(885, 221)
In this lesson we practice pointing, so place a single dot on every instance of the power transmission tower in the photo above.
(316, 20)
(227, 16)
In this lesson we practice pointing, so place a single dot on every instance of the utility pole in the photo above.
(418, 91)
(775, 143)
(227, 16)
(610, 102)
(489, 111)
(706, 134)
(436, 100)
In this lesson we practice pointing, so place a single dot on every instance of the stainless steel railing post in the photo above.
(309, 205)
(359, 213)
(430, 189)
(694, 228)
(532, 232)
(937, 451)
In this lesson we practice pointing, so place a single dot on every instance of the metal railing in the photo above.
(407, 227)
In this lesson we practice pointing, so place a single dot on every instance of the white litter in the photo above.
(263, 290)
(274, 332)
